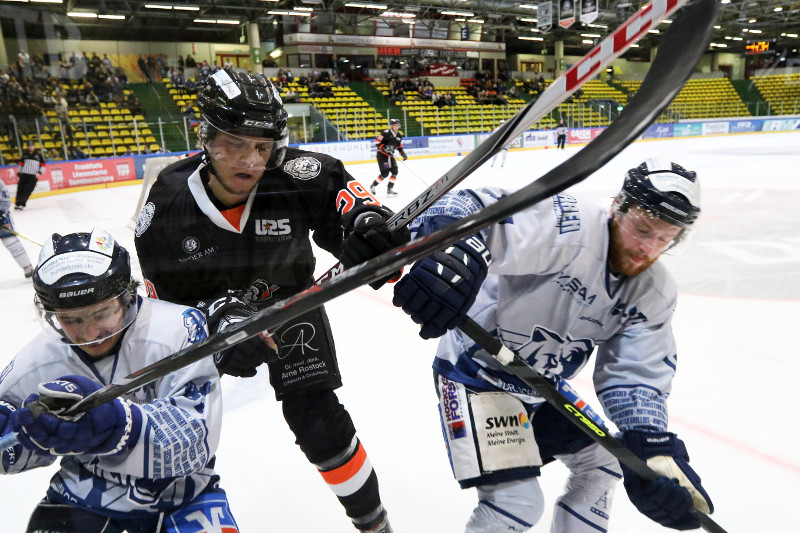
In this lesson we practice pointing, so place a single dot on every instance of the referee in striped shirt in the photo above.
(31, 165)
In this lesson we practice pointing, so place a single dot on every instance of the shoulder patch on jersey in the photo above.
(194, 321)
(303, 168)
(145, 217)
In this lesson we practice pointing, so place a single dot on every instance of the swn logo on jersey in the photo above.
(510, 421)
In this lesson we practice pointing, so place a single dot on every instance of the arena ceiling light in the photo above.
(168, 7)
(215, 21)
(111, 17)
(458, 13)
(82, 14)
(527, 6)
(367, 6)
(48, 1)
(531, 38)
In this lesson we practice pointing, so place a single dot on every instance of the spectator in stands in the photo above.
(133, 103)
(190, 86)
(290, 96)
(53, 154)
(107, 64)
(142, 64)
(342, 80)
(180, 62)
(190, 62)
(64, 67)
(61, 108)
(92, 100)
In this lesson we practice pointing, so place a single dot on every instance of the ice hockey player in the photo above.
(229, 231)
(388, 142)
(554, 282)
(504, 149)
(141, 462)
(10, 240)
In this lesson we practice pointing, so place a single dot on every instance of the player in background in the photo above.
(554, 282)
(31, 165)
(143, 462)
(561, 134)
(388, 142)
(504, 149)
(229, 231)
(11, 241)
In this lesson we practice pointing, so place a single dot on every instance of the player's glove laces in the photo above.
(439, 290)
(367, 236)
(670, 498)
(242, 359)
(109, 428)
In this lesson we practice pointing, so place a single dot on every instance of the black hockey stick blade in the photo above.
(589, 66)
(681, 48)
(544, 388)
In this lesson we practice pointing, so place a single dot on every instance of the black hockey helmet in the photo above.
(81, 269)
(393, 121)
(663, 189)
(242, 103)
(77, 277)
(245, 105)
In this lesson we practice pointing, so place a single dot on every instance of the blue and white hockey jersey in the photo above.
(550, 297)
(172, 463)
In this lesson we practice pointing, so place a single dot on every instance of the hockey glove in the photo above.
(405, 157)
(367, 236)
(670, 498)
(107, 429)
(440, 289)
(242, 359)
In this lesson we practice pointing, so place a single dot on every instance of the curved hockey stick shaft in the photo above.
(18, 234)
(589, 425)
(681, 47)
(592, 63)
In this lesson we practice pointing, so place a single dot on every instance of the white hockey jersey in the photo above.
(550, 297)
(173, 460)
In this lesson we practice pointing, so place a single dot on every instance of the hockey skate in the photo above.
(390, 190)
(373, 188)
(28, 271)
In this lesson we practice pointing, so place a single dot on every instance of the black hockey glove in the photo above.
(439, 290)
(242, 359)
(404, 156)
(670, 498)
(367, 236)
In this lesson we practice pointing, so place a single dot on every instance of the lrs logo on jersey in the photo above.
(267, 226)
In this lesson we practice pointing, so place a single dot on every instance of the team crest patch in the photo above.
(145, 217)
(303, 168)
(190, 245)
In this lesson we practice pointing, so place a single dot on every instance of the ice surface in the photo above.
(739, 303)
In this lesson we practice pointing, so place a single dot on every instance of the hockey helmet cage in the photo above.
(394, 121)
(81, 269)
(664, 189)
(241, 103)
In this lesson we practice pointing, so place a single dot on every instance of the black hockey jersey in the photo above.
(188, 251)
(388, 141)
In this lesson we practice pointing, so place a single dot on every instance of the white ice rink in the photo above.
(731, 401)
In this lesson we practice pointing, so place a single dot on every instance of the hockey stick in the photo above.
(408, 167)
(3, 228)
(681, 47)
(592, 63)
(588, 424)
